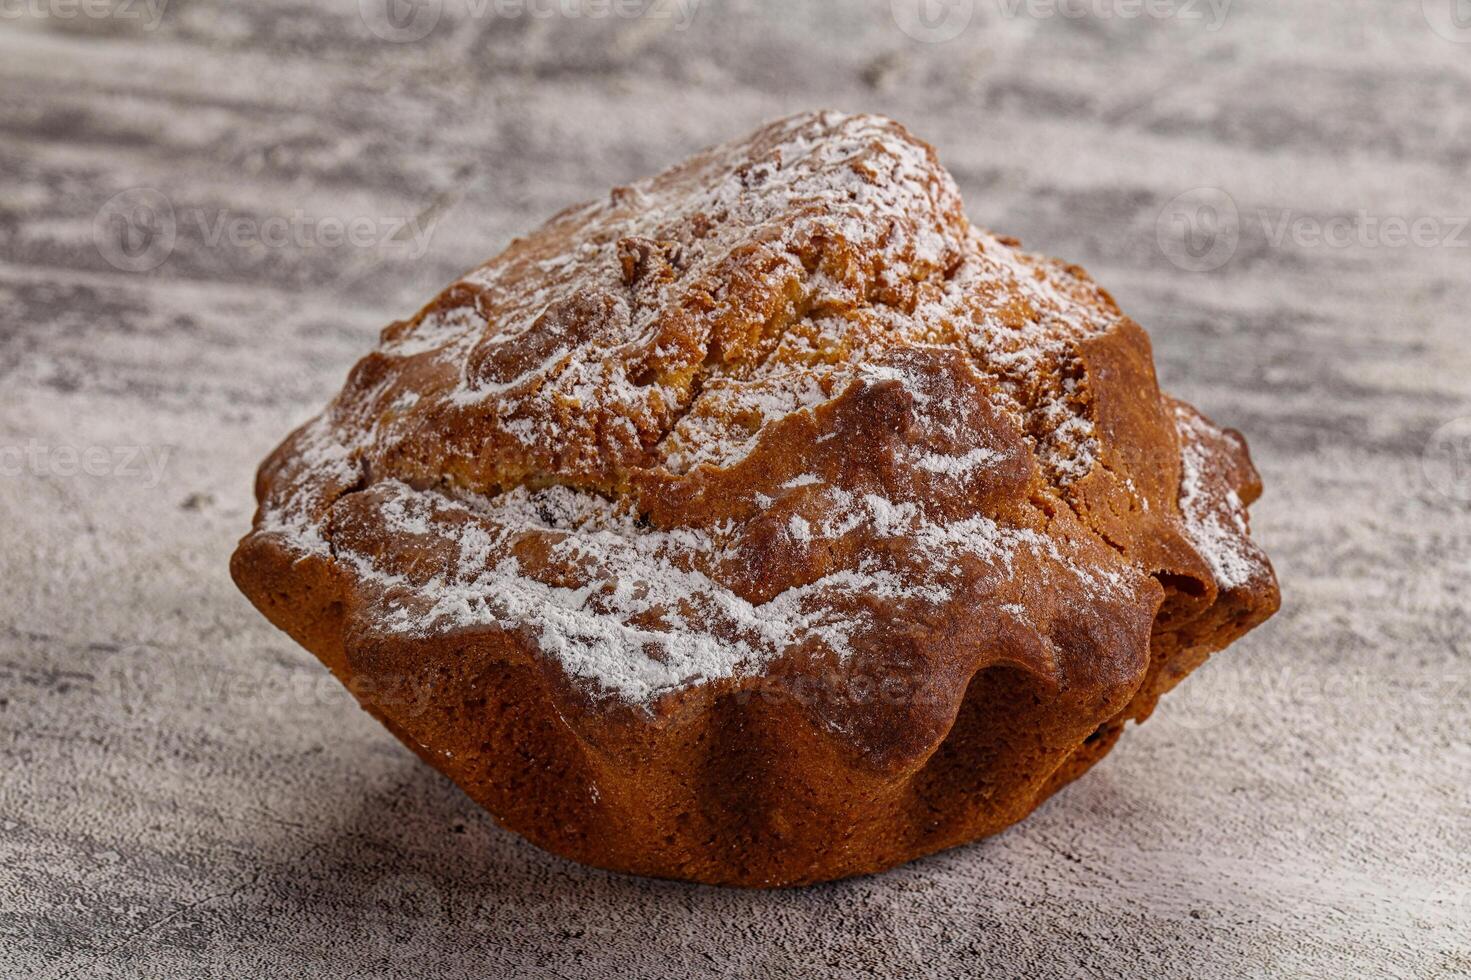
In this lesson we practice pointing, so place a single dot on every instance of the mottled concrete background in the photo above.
(184, 793)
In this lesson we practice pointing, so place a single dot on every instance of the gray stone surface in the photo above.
(184, 793)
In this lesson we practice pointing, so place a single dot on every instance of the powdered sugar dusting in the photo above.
(667, 334)
(642, 616)
(687, 312)
(1220, 534)
(958, 465)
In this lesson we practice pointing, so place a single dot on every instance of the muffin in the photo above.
(763, 523)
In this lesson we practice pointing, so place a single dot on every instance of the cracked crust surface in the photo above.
(764, 522)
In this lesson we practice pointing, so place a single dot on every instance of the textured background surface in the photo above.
(183, 793)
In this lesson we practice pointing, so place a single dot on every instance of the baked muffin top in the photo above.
(779, 412)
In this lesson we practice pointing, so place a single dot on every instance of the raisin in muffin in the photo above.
(764, 523)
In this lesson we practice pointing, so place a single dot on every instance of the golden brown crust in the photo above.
(764, 524)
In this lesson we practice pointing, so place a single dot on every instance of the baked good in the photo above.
(763, 523)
